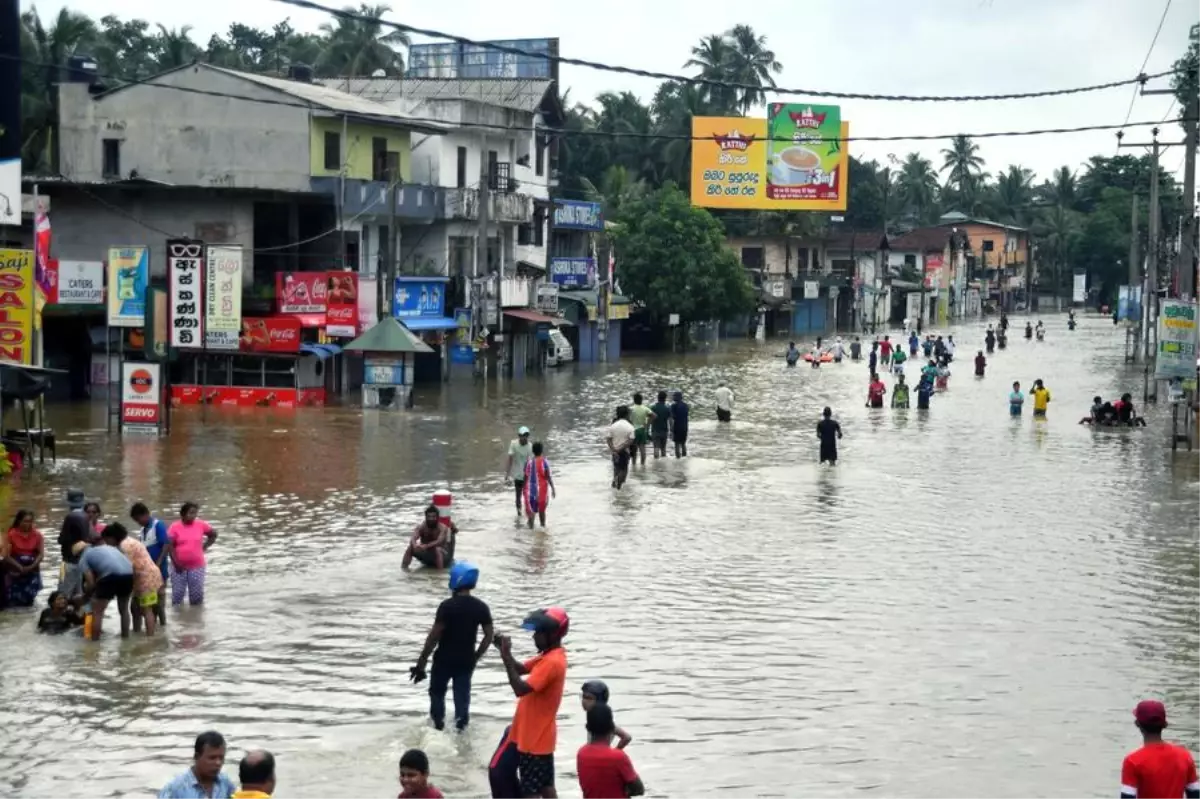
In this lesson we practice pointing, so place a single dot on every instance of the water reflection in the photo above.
(1013, 585)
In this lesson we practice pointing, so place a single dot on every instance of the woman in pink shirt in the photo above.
(187, 541)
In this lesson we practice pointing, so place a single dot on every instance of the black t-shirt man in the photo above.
(461, 617)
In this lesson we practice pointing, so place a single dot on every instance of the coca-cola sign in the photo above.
(280, 334)
(300, 292)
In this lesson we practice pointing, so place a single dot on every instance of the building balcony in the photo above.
(463, 204)
(517, 292)
(373, 198)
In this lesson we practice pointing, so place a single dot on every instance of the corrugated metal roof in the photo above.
(519, 95)
(333, 99)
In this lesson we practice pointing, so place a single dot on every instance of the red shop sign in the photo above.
(300, 292)
(270, 334)
(341, 310)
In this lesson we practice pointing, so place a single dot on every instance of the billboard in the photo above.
(415, 297)
(341, 305)
(791, 161)
(1079, 288)
(222, 297)
(300, 292)
(933, 269)
(185, 281)
(128, 277)
(1176, 341)
(454, 61)
(270, 334)
(16, 305)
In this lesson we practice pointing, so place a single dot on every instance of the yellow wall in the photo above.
(357, 148)
(978, 233)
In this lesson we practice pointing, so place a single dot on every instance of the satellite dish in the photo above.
(379, 73)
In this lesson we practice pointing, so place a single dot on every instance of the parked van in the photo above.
(558, 350)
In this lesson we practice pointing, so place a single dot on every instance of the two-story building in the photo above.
(263, 163)
(997, 265)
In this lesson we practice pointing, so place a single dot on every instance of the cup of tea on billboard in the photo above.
(804, 151)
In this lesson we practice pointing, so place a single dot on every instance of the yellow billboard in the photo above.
(16, 306)
(795, 160)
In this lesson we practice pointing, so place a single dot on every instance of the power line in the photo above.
(702, 81)
(564, 132)
(1146, 60)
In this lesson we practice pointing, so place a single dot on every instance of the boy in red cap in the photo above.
(1158, 770)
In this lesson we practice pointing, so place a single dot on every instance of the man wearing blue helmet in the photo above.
(454, 633)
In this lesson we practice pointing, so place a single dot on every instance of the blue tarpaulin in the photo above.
(322, 351)
(429, 322)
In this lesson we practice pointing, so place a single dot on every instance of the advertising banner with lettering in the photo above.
(128, 277)
(415, 296)
(795, 160)
(578, 215)
(300, 292)
(368, 303)
(341, 304)
(75, 282)
(222, 297)
(185, 299)
(461, 350)
(573, 273)
(141, 397)
(17, 269)
(1176, 341)
(270, 334)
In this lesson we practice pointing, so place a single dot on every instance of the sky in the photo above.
(943, 47)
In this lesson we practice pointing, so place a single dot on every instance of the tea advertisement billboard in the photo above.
(796, 159)
(128, 277)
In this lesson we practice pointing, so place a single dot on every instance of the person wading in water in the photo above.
(829, 431)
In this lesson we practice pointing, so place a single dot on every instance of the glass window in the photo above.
(212, 370)
(247, 371)
(279, 372)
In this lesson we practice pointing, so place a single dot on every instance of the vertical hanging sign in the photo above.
(222, 297)
(184, 260)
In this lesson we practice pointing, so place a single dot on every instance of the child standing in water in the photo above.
(596, 692)
(1016, 400)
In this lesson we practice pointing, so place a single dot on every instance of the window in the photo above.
(987, 245)
(493, 159)
(462, 168)
(110, 166)
(333, 150)
(524, 235)
(539, 226)
(539, 144)
(752, 257)
(910, 261)
(379, 159)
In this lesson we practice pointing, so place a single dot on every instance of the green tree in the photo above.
(713, 56)
(962, 160)
(750, 62)
(175, 47)
(616, 190)
(1013, 195)
(672, 258)
(357, 48)
(917, 188)
(45, 50)
(1186, 80)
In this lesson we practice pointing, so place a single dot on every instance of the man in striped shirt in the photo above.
(1159, 770)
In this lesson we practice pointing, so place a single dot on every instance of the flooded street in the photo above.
(966, 603)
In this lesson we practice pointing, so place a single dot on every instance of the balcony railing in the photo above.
(508, 208)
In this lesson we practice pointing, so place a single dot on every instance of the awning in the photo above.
(428, 322)
(536, 317)
(322, 351)
(308, 319)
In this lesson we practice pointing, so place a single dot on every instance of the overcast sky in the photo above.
(868, 46)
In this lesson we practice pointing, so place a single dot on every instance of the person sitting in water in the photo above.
(980, 363)
(1097, 412)
(793, 354)
(432, 542)
(59, 616)
(1125, 412)
(900, 393)
(875, 391)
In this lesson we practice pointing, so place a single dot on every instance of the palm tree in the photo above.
(618, 188)
(672, 110)
(175, 47)
(71, 33)
(1060, 189)
(917, 187)
(750, 62)
(1014, 195)
(1058, 231)
(357, 47)
(965, 164)
(713, 55)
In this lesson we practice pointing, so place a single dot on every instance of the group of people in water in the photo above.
(103, 563)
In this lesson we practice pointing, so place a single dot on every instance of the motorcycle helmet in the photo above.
(463, 575)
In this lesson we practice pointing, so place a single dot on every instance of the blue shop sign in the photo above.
(573, 272)
(419, 296)
(578, 215)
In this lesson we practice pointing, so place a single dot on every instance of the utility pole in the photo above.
(481, 254)
(1185, 259)
(1134, 274)
(1151, 294)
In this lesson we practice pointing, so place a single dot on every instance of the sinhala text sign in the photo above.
(223, 298)
(1176, 341)
(141, 397)
(795, 160)
(185, 276)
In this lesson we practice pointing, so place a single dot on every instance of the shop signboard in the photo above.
(128, 277)
(573, 273)
(368, 303)
(16, 305)
(1079, 288)
(795, 159)
(185, 278)
(222, 298)
(270, 334)
(547, 298)
(300, 292)
(578, 215)
(141, 397)
(75, 282)
(341, 304)
(461, 351)
(1176, 356)
(415, 297)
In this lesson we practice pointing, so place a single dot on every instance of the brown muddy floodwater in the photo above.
(967, 605)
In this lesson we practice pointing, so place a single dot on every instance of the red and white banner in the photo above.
(270, 334)
(141, 406)
(300, 292)
(75, 282)
(341, 304)
(933, 270)
(234, 397)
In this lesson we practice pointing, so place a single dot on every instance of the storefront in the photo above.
(272, 368)
(419, 303)
(579, 308)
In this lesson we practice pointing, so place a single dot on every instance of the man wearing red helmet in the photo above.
(538, 684)
(1158, 769)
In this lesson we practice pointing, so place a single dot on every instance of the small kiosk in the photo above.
(388, 349)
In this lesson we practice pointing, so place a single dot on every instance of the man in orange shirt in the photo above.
(1158, 770)
(538, 684)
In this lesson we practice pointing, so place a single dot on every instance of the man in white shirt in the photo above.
(520, 450)
(724, 397)
(620, 440)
